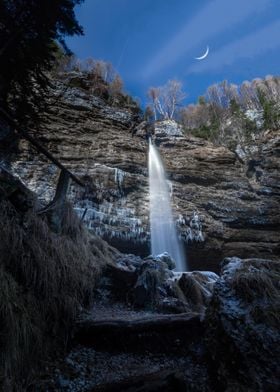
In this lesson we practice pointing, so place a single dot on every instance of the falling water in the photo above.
(163, 232)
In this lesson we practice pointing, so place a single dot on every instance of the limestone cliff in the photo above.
(225, 203)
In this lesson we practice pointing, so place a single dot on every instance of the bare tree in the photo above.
(148, 114)
(222, 94)
(166, 99)
(173, 96)
(272, 85)
(196, 116)
(154, 94)
(105, 70)
(248, 96)
(116, 86)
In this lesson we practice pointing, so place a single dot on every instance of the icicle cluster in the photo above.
(107, 220)
(191, 229)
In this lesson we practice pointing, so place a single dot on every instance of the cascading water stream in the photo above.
(163, 232)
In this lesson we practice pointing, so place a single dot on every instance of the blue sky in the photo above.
(151, 41)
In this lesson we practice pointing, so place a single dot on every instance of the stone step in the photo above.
(166, 380)
(172, 333)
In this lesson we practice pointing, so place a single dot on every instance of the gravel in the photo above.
(84, 368)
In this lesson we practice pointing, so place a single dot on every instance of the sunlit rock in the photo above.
(167, 128)
(236, 200)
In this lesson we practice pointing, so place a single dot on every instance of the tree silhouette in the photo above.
(29, 30)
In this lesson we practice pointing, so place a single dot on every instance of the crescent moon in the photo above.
(204, 55)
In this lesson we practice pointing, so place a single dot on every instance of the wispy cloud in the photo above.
(252, 45)
(213, 19)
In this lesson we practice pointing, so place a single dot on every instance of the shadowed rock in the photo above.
(242, 334)
(237, 201)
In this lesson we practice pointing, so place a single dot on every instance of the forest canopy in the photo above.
(30, 31)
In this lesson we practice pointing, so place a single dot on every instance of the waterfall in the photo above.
(163, 232)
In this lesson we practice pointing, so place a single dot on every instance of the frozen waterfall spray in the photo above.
(163, 232)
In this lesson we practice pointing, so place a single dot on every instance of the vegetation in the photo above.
(44, 280)
(98, 77)
(227, 114)
(166, 99)
(29, 30)
(257, 284)
(230, 114)
(256, 280)
(271, 110)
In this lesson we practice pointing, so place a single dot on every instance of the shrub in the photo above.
(45, 278)
(257, 279)
(28, 32)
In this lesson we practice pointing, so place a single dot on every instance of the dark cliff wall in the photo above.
(224, 204)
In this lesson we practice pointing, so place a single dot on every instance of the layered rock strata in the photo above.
(225, 203)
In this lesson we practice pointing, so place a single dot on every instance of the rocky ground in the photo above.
(150, 328)
(225, 203)
(222, 334)
(85, 369)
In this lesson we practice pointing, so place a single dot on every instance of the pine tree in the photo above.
(29, 32)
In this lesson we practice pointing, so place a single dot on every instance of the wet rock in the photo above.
(167, 259)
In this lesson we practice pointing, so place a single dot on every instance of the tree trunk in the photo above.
(56, 209)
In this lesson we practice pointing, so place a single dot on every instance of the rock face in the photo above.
(224, 203)
(168, 128)
(242, 334)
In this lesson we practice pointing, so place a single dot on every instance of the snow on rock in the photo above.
(256, 116)
(168, 128)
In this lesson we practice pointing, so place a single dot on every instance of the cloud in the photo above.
(213, 19)
(250, 46)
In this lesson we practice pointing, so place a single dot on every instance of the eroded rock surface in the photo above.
(242, 319)
(225, 203)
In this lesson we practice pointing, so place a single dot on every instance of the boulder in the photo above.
(167, 128)
(149, 287)
(167, 259)
(197, 288)
(242, 326)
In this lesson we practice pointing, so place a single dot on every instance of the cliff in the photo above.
(225, 203)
